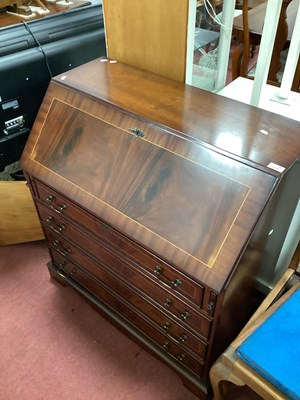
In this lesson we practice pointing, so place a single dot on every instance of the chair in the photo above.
(242, 364)
(248, 28)
(245, 363)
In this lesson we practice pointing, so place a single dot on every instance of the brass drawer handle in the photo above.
(171, 285)
(179, 340)
(168, 303)
(59, 247)
(57, 228)
(61, 271)
(167, 326)
(59, 208)
(184, 316)
(179, 357)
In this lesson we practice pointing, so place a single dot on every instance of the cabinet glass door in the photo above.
(209, 38)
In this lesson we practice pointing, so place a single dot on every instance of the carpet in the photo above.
(56, 346)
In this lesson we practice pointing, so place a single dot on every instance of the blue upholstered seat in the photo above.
(273, 349)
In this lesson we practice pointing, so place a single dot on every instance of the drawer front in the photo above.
(65, 229)
(124, 309)
(179, 310)
(172, 329)
(165, 274)
(56, 202)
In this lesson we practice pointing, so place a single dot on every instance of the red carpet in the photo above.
(56, 346)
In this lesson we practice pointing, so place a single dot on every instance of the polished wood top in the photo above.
(147, 180)
(190, 205)
(173, 190)
(244, 131)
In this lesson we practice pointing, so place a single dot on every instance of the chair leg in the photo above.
(220, 375)
(236, 61)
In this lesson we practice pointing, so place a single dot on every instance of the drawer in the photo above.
(78, 236)
(56, 202)
(179, 310)
(66, 254)
(177, 354)
(124, 309)
(166, 275)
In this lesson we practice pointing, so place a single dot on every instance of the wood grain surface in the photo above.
(191, 202)
(157, 200)
(241, 130)
(149, 34)
(19, 220)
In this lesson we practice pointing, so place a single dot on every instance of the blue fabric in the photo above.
(273, 350)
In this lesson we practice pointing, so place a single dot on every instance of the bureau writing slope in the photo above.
(149, 214)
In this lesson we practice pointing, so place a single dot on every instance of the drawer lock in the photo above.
(137, 132)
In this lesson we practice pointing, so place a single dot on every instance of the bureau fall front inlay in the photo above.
(147, 214)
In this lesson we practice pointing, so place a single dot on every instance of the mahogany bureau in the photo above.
(153, 197)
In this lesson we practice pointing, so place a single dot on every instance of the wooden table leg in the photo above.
(280, 42)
